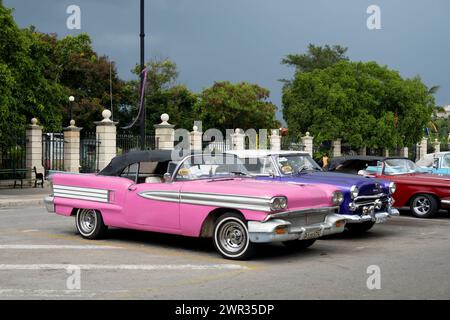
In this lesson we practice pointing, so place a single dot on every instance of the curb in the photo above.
(21, 203)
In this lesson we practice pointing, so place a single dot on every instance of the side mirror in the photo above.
(271, 173)
(167, 177)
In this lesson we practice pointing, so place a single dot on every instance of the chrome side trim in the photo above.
(169, 196)
(445, 201)
(81, 193)
(211, 199)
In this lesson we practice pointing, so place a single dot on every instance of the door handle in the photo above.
(131, 188)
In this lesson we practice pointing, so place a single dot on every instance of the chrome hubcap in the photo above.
(422, 206)
(87, 220)
(232, 236)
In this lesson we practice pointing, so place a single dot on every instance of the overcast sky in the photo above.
(244, 40)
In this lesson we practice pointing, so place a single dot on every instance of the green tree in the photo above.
(87, 77)
(162, 95)
(363, 103)
(242, 105)
(317, 57)
(28, 85)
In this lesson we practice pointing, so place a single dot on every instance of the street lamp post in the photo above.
(71, 99)
(142, 119)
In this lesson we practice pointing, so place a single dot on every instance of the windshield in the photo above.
(446, 161)
(296, 163)
(210, 167)
(401, 166)
(259, 166)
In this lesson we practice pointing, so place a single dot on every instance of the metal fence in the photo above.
(13, 156)
(216, 146)
(445, 147)
(53, 151)
(290, 143)
(127, 142)
(89, 152)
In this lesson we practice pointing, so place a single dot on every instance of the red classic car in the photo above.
(424, 193)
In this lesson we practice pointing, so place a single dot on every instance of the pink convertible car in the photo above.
(198, 196)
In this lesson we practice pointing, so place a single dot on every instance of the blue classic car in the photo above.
(437, 163)
(366, 200)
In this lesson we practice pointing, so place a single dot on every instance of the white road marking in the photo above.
(53, 246)
(56, 293)
(139, 267)
(30, 230)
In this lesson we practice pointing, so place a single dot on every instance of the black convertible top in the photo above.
(118, 163)
(356, 163)
(335, 162)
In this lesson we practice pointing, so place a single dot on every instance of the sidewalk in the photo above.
(23, 197)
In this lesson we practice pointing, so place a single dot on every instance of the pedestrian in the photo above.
(325, 161)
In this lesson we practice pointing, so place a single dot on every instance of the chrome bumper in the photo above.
(275, 230)
(49, 204)
(378, 217)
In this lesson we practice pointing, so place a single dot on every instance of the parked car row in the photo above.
(238, 199)
(423, 192)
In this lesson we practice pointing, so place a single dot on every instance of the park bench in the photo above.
(21, 174)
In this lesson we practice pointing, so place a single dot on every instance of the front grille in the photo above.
(366, 202)
(306, 219)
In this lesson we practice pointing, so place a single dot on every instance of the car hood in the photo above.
(422, 179)
(343, 181)
(299, 196)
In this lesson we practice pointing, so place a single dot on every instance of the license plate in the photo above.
(312, 235)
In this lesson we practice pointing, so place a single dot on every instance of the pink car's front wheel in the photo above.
(231, 237)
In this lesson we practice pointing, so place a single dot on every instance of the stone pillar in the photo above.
(405, 152)
(336, 147)
(421, 148)
(164, 133)
(275, 140)
(237, 140)
(106, 135)
(386, 152)
(72, 148)
(34, 148)
(363, 151)
(437, 145)
(196, 139)
(307, 142)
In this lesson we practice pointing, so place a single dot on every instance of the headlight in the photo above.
(337, 198)
(278, 203)
(392, 187)
(354, 191)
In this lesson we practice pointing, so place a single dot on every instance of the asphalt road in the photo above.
(41, 257)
